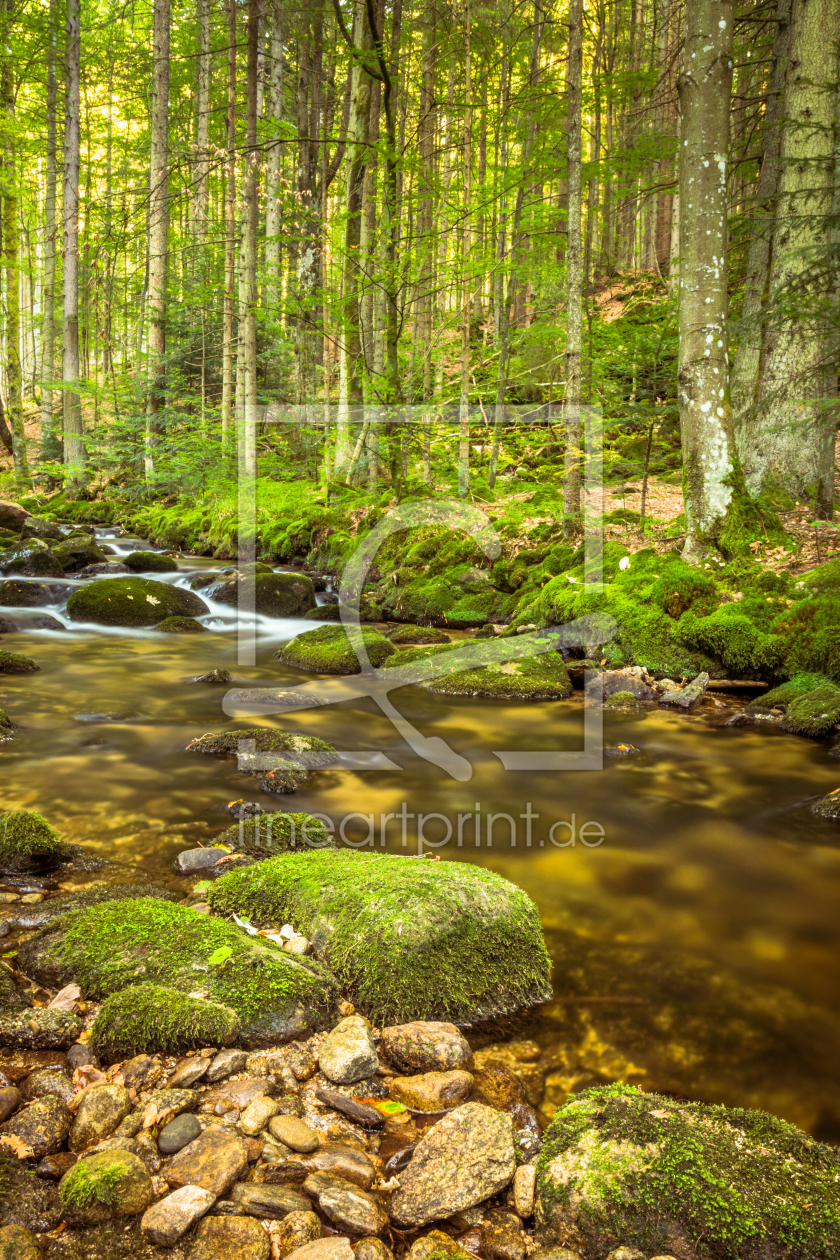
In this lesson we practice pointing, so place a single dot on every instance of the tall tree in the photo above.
(704, 86)
(11, 250)
(574, 271)
(230, 236)
(252, 158)
(74, 444)
(467, 279)
(158, 247)
(274, 158)
(201, 188)
(48, 435)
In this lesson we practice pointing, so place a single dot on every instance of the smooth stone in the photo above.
(497, 1086)
(256, 1115)
(334, 1248)
(178, 1133)
(10, 1099)
(100, 1111)
(192, 860)
(215, 1160)
(240, 1092)
(372, 1249)
(503, 1237)
(170, 1218)
(42, 1126)
(346, 1205)
(348, 1053)
(344, 1161)
(132, 1190)
(358, 1112)
(230, 1238)
(46, 1081)
(19, 1243)
(296, 1230)
(168, 1103)
(268, 1201)
(294, 1133)
(435, 1240)
(523, 1190)
(432, 1091)
(226, 1063)
(426, 1046)
(467, 1157)
(187, 1072)
(53, 1167)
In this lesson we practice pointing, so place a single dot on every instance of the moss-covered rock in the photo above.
(181, 625)
(815, 713)
(408, 939)
(105, 1185)
(828, 806)
(132, 601)
(622, 1168)
(787, 692)
(270, 834)
(12, 663)
(539, 677)
(415, 636)
(33, 559)
(77, 552)
(7, 726)
(624, 701)
(269, 594)
(28, 843)
(149, 562)
(42, 527)
(730, 637)
(110, 947)
(266, 739)
(156, 1019)
(17, 594)
(328, 650)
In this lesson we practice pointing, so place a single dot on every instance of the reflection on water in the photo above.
(695, 949)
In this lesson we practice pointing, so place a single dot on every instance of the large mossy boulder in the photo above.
(110, 947)
(77, 552)
(268, 835)
(157, 1019)
(443, 600)
(31, 559)
(149, 562)
(328, 650)
(623, 1168)
(416, 636)
(265, 739)
(132, 601)
(408, 939)
(18, 594)
(542, 676)
(28, 843)
(43, 528)
(815, 713)
(268, 594)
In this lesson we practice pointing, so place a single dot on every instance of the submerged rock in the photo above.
(408, 939)
(329, 651)
(267, 835)
(268, 594)
(46, 911)
(7, 726)
(132, 601)
(828, 806)
(622, 1167)
(108, 948)
(12, 663)
(150, 562)
(315, 752)
(181, 625)
(28, 843)
(215, 676)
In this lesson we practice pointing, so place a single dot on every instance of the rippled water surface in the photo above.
(695, 950)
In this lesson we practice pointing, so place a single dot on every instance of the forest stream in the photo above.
(695, 948)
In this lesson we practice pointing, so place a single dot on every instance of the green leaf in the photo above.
(220, 955)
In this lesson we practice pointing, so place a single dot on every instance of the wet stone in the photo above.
(432, 1091)
(38, 1028)
(348, 1053)
(10, 1099)
(372, 1249)
(426, 1046)
(170, 1218)
(296, 1229)
(178, 1133)
(294, 1133)
(333, 1248)
(42, 1127)
(47, 1081)
(230, 1238)
(192, 860)
(268, 1201)
(226, 1063)
(503, 1237)
(344, 1161)
(359, 1113)
(256, 1116)
(128, 1181)
(497, 1086)
(100, 1111)
(523, 1190)
(215, 1160)
(18, 1243)
(435, 1240)
(53, 1167)
(187, 1072)
(347, 1206)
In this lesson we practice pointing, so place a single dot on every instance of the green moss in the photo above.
(269, 594)
(622, 700)
(11, 663)
(815, 713)
(28, 842)
(76, 552)
(155, 1019)
(149, 562)
(646, 1170)
(266, 739)
(32, 559)
(7, 726)
(681, 587)
(539, 677)
(180, 625)
(108, 948)
(132, 601)
(787, 692)
(408, 939)
(828, 806)
(83, 1188)
(811, 631)
(414, 635)
(270, 834)
(728, 635)
(327, 650)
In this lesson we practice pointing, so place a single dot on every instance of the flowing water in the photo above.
(695, 947)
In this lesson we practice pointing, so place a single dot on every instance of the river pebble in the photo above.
(348, 1053)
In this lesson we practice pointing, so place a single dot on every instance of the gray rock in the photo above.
(100, 1111)
(192, 860)
(43, 1126)
(267, 1201)
(231, 1238)
(426, 1046)
(226, 1063)
(688, 696)
(348, 1053)
(38, 527)
(170, 1218)
(346, 1205)
(178, 1133)
(463, 1160)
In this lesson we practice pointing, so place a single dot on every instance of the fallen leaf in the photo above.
(66, 998)
(17, 1146)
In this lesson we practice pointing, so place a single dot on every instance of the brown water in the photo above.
(695, 949)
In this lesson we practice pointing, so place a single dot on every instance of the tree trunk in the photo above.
(274, 159)
(466, 281)
(11, 250)
(230, 240)
(709, 458)
(792, 437)
(49, 437)
(74, 446)
(574, 274)
(201, 191)
(249, 333)
(158, 230)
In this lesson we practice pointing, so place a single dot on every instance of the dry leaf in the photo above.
(66, 998)
(17, 1147)
(153, 1115)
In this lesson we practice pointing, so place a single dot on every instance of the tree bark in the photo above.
(466, 280)
(574, 274)
(250, 245)
(230, 240)
(11, 250)
(158, 232)
(201, 190)
(792, 437)
(74, 445)
(709, 458)
(49, 437)
(274, 159)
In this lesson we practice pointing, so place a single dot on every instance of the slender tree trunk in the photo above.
(49, 437)
(158, 232)
(274, 159)
(574, 274)
(230, 240)
(201, 190)
(791, 440)
(74, 446)
(250, 244)
(426, 130)
(466, 281)
(709, 458)
(11, 250)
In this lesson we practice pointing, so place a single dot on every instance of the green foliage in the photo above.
(83, 1188)
(156, 1019)
(731, 637)
(408, 939)
(740, 1184)
(787, 692)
